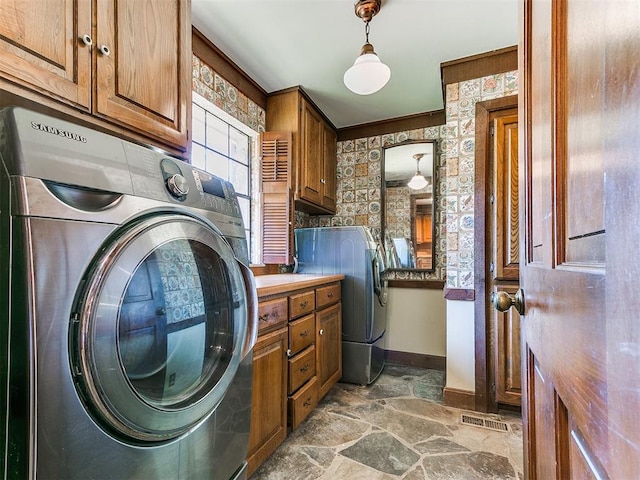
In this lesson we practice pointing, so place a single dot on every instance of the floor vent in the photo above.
(485, 423)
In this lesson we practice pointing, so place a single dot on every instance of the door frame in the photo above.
(484, 397)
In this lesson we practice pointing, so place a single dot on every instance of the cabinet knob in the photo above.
(86, 39)
(288, 352)
(321, 332)
(322, 181)
(104, 50)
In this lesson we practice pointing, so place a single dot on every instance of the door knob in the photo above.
(503, 301)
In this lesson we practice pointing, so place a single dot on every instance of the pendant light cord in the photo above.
(366, 31)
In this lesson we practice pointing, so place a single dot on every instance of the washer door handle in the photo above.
(252, 309)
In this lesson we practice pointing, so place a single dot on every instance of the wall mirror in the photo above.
(408, 225)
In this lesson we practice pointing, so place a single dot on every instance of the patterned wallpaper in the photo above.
(359, 185)
(359, 179)
(458, 148)
(359, 168)
(225, 96)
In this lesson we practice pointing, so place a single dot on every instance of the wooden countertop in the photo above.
(287, 282)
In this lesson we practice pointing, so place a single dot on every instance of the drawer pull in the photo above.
(307, 402)
(264, 318)
(305, 368)
(304, 334)
(304, 304)
(330, 294)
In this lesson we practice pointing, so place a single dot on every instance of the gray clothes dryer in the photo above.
(128, 312)
(353, 252)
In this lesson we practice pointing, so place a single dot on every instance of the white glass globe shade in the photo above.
(367, 75)
(417, 182)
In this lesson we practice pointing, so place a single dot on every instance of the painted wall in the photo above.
(417, 321)
(460, 345)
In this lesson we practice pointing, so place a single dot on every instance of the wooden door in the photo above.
(504, 244)
(580, 254)
(41, 47)
(329, 347)
(269, 404)
(143, 81)
(310, 166)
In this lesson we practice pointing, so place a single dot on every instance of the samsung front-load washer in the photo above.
(128, 310)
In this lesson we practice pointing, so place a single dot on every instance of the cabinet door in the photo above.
(277, 197)
(143, 81)
(330, 160)
(269, 403)
(328, 347)
(41, 47)
(311, 166)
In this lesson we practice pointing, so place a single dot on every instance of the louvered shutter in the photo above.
(276, 197)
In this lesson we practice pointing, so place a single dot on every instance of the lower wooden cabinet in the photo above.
(303, 402)
(296, 361)
(269, 405)
(302, 368)
(328, 347)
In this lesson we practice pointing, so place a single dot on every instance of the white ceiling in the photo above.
(399, 163)
(283, 43)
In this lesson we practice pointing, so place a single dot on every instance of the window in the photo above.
(222, 146)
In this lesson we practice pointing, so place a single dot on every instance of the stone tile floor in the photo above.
(396, 428)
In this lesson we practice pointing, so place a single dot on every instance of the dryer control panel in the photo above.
(60, 152)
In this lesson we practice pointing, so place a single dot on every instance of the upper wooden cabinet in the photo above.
(314, 149)
(125, 62)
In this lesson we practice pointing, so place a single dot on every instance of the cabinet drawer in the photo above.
(302, 403)
(301, 368)
(328, 295)
(302, 303)
(302, 333)
(272, 313)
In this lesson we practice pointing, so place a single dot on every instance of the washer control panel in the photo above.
(174, 179)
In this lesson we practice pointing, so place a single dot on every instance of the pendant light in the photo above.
(418, 181)
(368, 74)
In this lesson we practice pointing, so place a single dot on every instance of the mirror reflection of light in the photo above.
(418, 181)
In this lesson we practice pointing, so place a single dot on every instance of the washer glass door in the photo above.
(161, 326)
